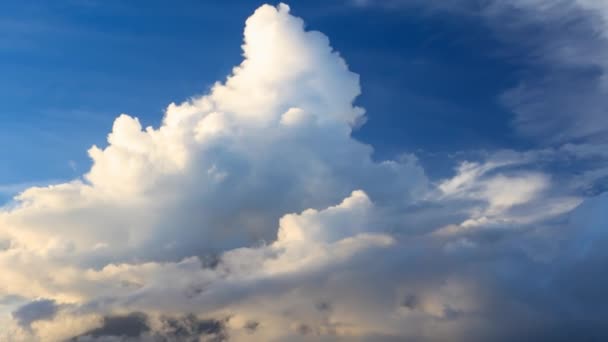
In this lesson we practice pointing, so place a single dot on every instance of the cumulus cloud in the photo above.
(252, 214)
(224, 167)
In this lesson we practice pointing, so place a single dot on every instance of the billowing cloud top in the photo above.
(252, 214)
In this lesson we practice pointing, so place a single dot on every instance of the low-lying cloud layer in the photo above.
(251, 214)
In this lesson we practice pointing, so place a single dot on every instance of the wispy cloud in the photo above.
(563, 44)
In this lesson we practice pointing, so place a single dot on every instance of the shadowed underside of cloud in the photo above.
(251, 214)
(137, 326)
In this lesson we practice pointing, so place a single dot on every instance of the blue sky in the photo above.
(338, 170)
(430, 82)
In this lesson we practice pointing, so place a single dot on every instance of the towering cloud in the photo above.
(223, 168)
(252, 214)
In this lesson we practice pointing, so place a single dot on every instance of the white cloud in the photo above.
(223, 167)
(253, 209)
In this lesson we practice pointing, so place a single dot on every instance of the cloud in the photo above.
(502, 195)
(561, 48)
(251, 213)
(138, 326)
(194, 185)
(34, 311)
(131, 325)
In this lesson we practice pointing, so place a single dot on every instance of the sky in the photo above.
(342, 170)
(71, 67)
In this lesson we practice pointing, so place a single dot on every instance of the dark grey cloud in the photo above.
(41, 309)
(131, 325)
(191, 328)
(252, 326)
(137, 326)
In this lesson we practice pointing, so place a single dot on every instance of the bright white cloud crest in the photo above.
(254, 208)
